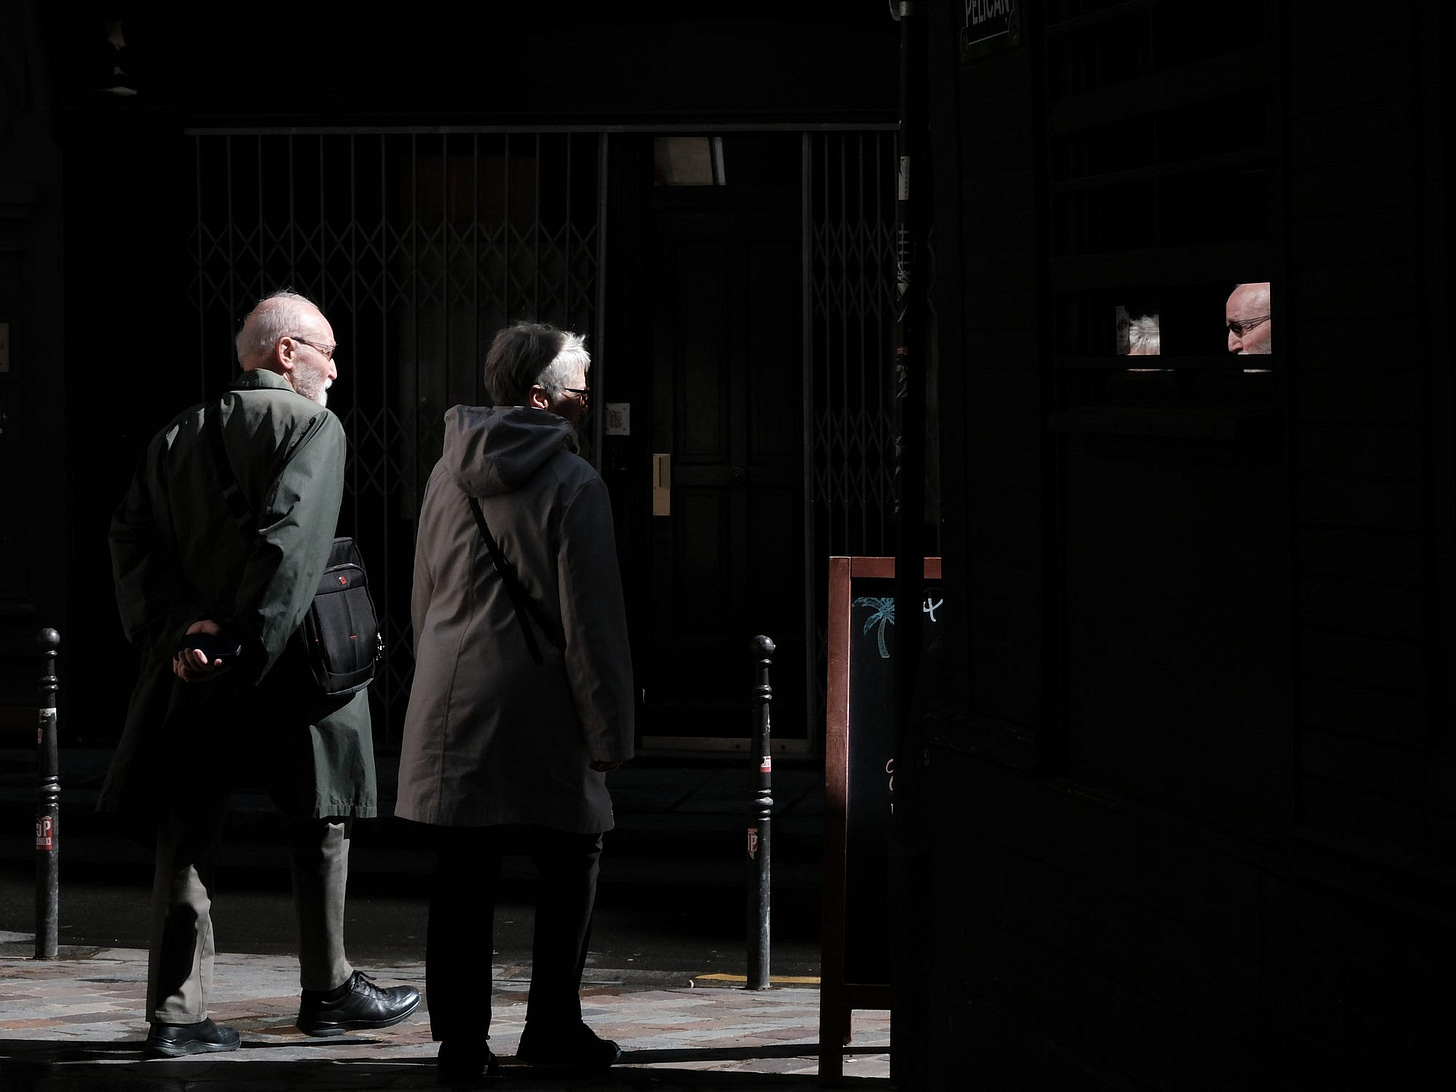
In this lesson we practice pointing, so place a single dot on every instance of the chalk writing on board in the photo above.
(882, 611)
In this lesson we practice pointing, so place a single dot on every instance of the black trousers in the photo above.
(461, 934)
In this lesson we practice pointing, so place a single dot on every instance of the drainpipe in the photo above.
(909, 862)
(912, 195)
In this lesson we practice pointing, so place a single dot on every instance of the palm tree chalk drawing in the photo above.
(882, 611)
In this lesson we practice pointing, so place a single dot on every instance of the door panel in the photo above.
(727, 563)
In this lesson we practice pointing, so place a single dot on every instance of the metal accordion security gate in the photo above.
(417, 246)
(849, 334)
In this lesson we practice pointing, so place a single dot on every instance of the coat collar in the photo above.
(260, 379)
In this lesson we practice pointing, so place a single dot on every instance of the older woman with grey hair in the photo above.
(522, 696)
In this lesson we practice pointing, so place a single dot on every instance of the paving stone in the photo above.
(75, 1023)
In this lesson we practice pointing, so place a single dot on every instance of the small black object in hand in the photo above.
(215, 646)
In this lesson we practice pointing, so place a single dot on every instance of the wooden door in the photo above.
(727, 557)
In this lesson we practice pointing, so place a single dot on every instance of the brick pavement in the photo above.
(74, 1023)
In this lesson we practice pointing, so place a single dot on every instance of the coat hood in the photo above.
(495, 449)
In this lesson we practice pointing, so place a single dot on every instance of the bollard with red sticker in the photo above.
(47, 806)
(759, 840)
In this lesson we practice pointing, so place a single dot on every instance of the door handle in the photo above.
(661, 484)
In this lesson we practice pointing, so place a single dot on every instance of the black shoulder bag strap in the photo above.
(519, 600)
(236, 502)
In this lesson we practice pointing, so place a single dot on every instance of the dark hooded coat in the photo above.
(491, 737)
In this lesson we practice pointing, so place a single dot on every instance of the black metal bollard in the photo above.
(761, 823)
(47, 806)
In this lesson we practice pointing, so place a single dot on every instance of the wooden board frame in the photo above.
(837, 998)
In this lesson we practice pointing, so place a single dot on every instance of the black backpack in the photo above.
(340, 633)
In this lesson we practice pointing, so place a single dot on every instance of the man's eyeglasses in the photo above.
(326, 350)
(1239, 329)
(581, 392)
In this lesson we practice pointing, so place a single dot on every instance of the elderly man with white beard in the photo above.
(217, 551)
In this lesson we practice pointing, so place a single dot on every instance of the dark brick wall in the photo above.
(33, 423)
(1195, 815)
(1003, 476)
(1372, 553)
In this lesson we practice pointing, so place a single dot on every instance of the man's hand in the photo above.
(603, 767)
(192, 664)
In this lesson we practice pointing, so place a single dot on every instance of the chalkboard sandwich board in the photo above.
(859, 733)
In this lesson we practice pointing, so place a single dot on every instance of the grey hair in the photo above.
(269, 321)
(531, 354)
(573, 352)
(1143, 337)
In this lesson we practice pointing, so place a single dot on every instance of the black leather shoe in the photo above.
(179, 1040)
(573, 1047)
(357, 1005)
(464, 1063)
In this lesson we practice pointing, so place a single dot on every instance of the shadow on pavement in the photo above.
(34, 1064)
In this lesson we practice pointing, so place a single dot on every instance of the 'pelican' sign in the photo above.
(991, 26)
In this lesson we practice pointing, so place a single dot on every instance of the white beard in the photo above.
(312, 383)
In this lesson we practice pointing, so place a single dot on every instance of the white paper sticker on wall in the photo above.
(619, 419)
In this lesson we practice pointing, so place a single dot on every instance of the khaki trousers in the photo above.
(179, 966)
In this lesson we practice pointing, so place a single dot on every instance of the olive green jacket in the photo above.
(178, 557)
